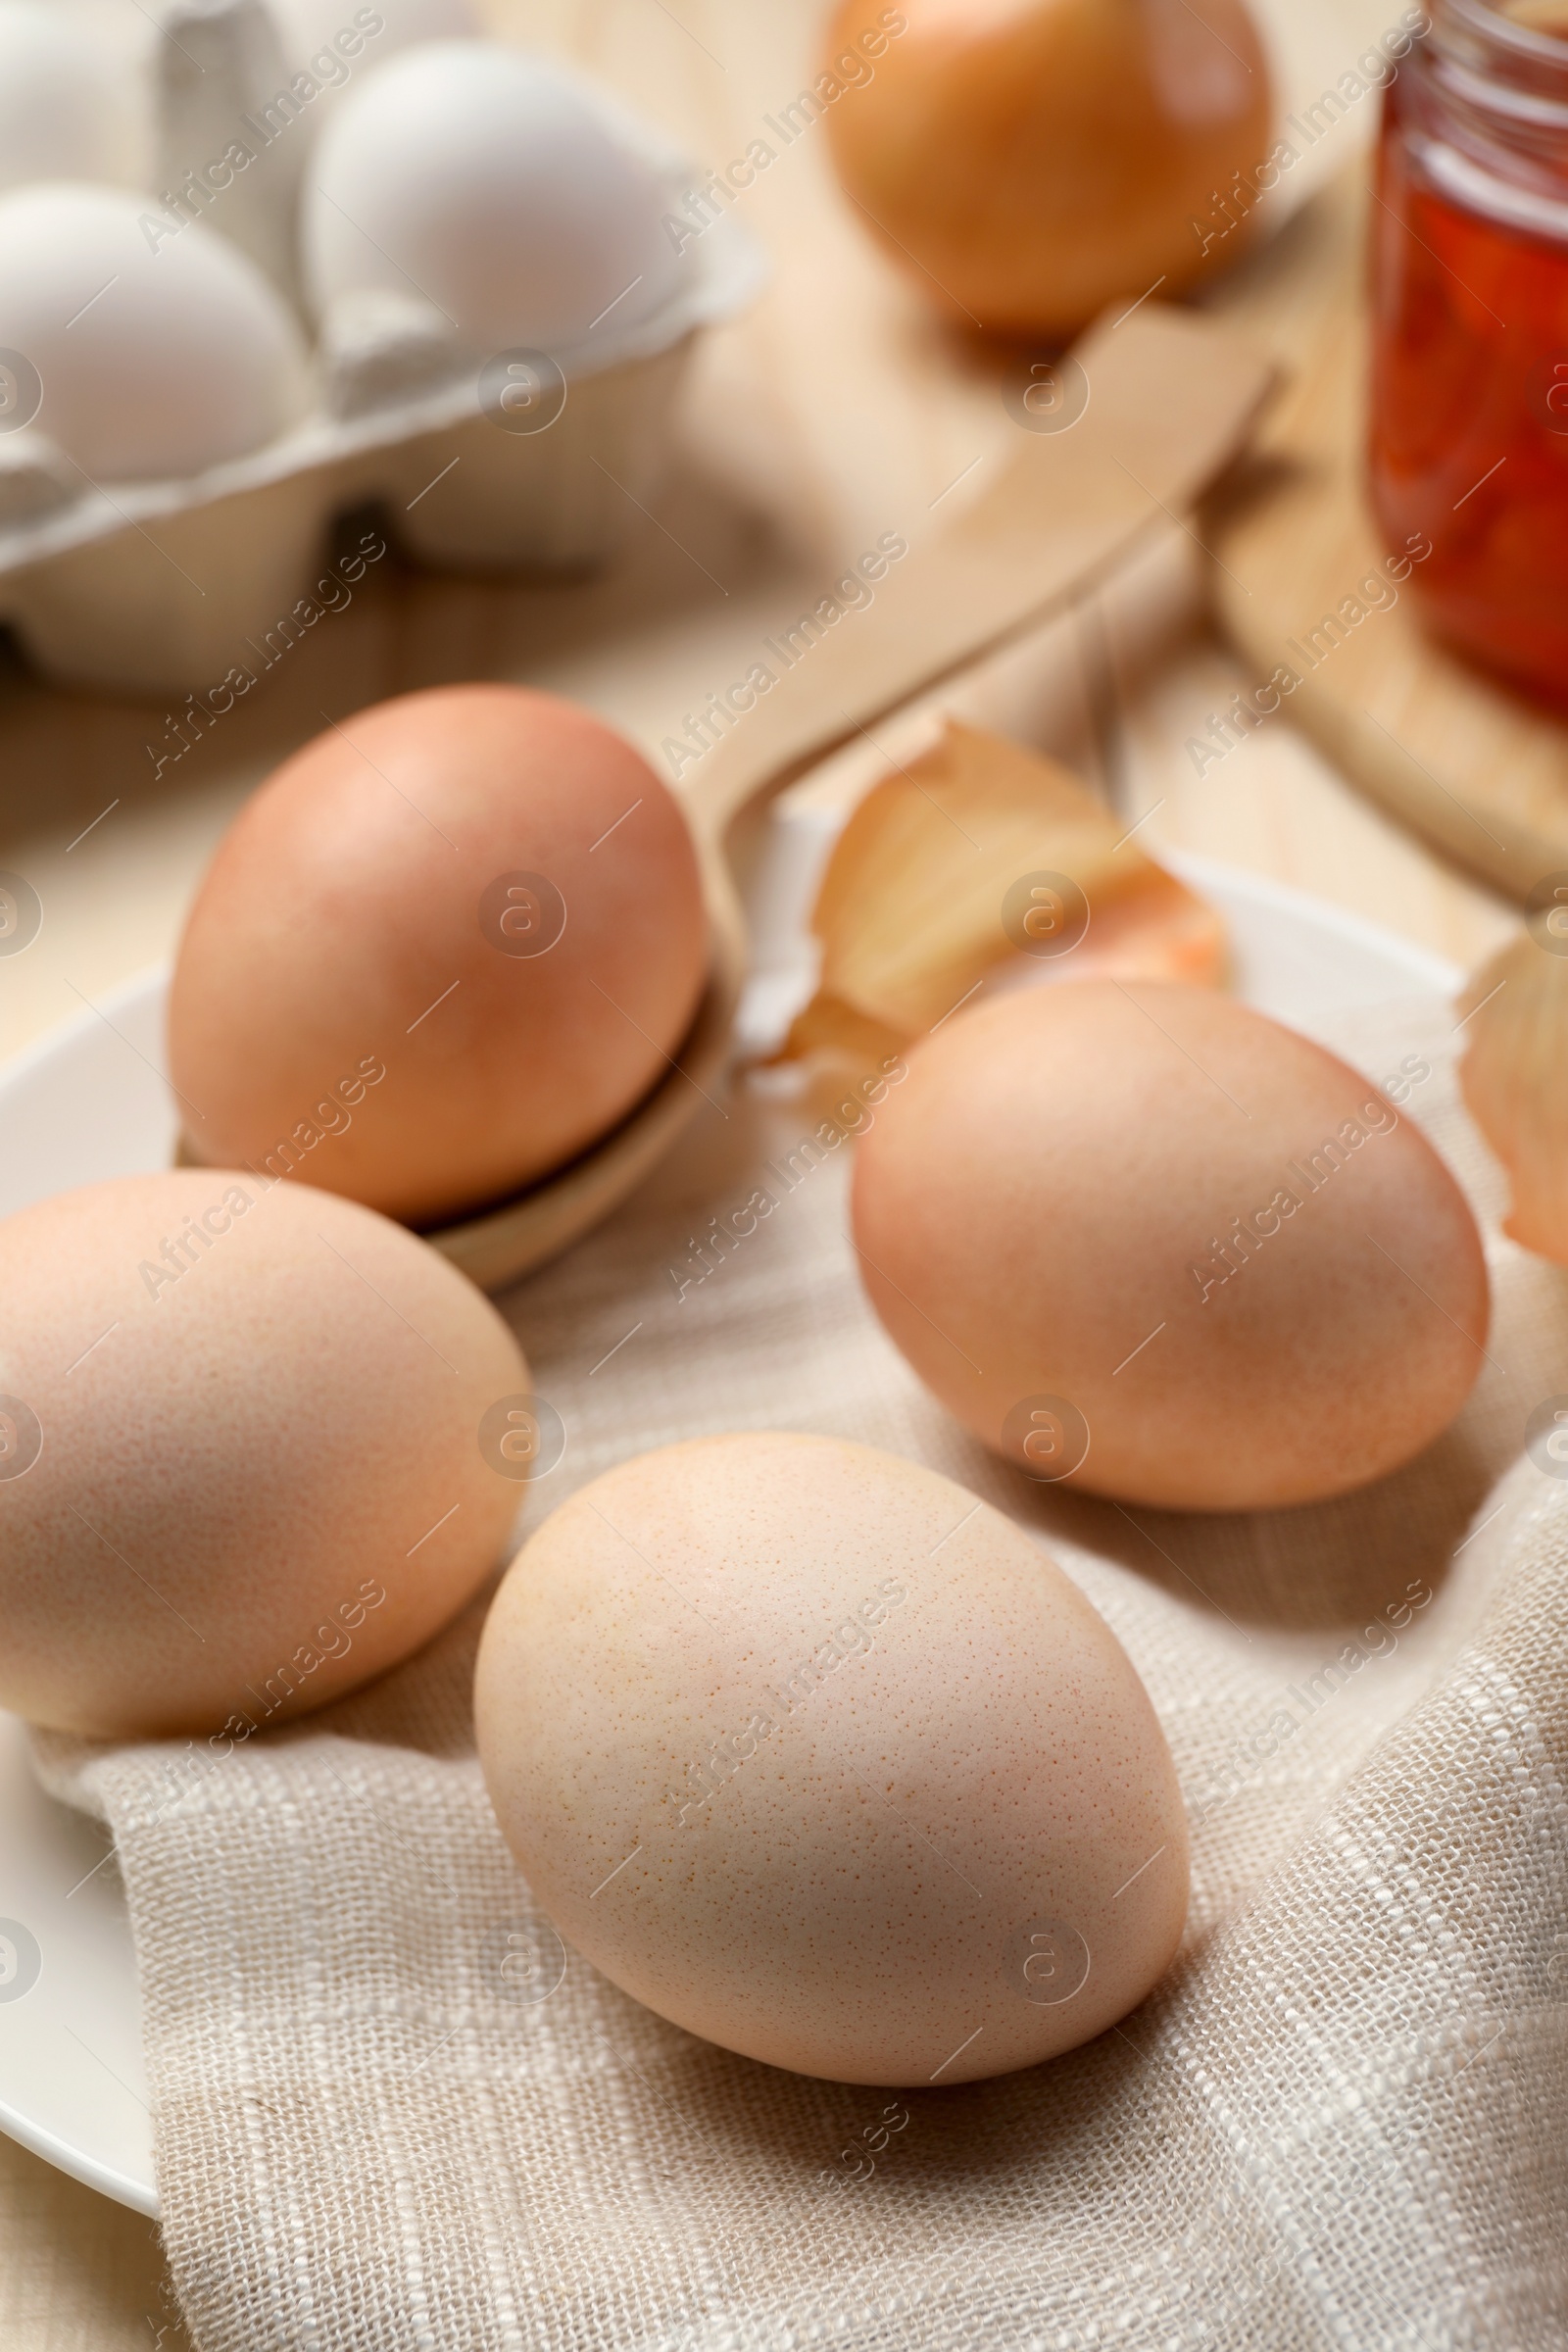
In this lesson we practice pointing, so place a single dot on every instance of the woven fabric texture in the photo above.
(392, 2113)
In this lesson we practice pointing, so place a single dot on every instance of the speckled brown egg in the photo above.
(446, 948)
(824, 1760)
(245, 1462)
(1142, 1238)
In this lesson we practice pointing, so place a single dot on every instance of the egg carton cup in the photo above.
(515, 460)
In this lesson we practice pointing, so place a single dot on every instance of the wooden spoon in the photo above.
(1171, 398)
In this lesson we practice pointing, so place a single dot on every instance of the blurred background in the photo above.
(837, 407)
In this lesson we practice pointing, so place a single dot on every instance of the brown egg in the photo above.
(1142, 1238)
(824, 1760)
(245, 1462)
(1029, 161)
(444, 949)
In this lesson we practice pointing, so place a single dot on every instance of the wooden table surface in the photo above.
(835, 411)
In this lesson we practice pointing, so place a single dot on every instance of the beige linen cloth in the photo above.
(392, 2114)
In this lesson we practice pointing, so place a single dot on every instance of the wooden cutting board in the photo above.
(1481, 773)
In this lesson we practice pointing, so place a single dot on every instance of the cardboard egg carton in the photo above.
(479, 462)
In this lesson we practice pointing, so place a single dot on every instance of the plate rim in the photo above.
(91, 2171)
(1427, 969)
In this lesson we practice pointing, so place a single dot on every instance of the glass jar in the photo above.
(1470, 331)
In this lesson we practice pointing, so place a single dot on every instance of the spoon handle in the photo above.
(1171, 398)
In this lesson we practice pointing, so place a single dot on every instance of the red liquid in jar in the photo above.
(1470, 418)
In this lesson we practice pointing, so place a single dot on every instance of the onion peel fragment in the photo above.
(926, 904)
(1514, 1078)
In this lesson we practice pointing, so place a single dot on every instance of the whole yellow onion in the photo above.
(1034, 160)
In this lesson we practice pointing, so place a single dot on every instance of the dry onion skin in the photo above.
(1514, 1078)
(927, 902)
(1036, 159)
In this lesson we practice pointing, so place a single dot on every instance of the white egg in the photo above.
(159, 350)
(62, 113)
(492, 183)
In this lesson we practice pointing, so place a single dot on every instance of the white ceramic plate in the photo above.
(91, 1101)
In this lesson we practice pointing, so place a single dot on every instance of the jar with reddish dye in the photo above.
(1470, 331)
